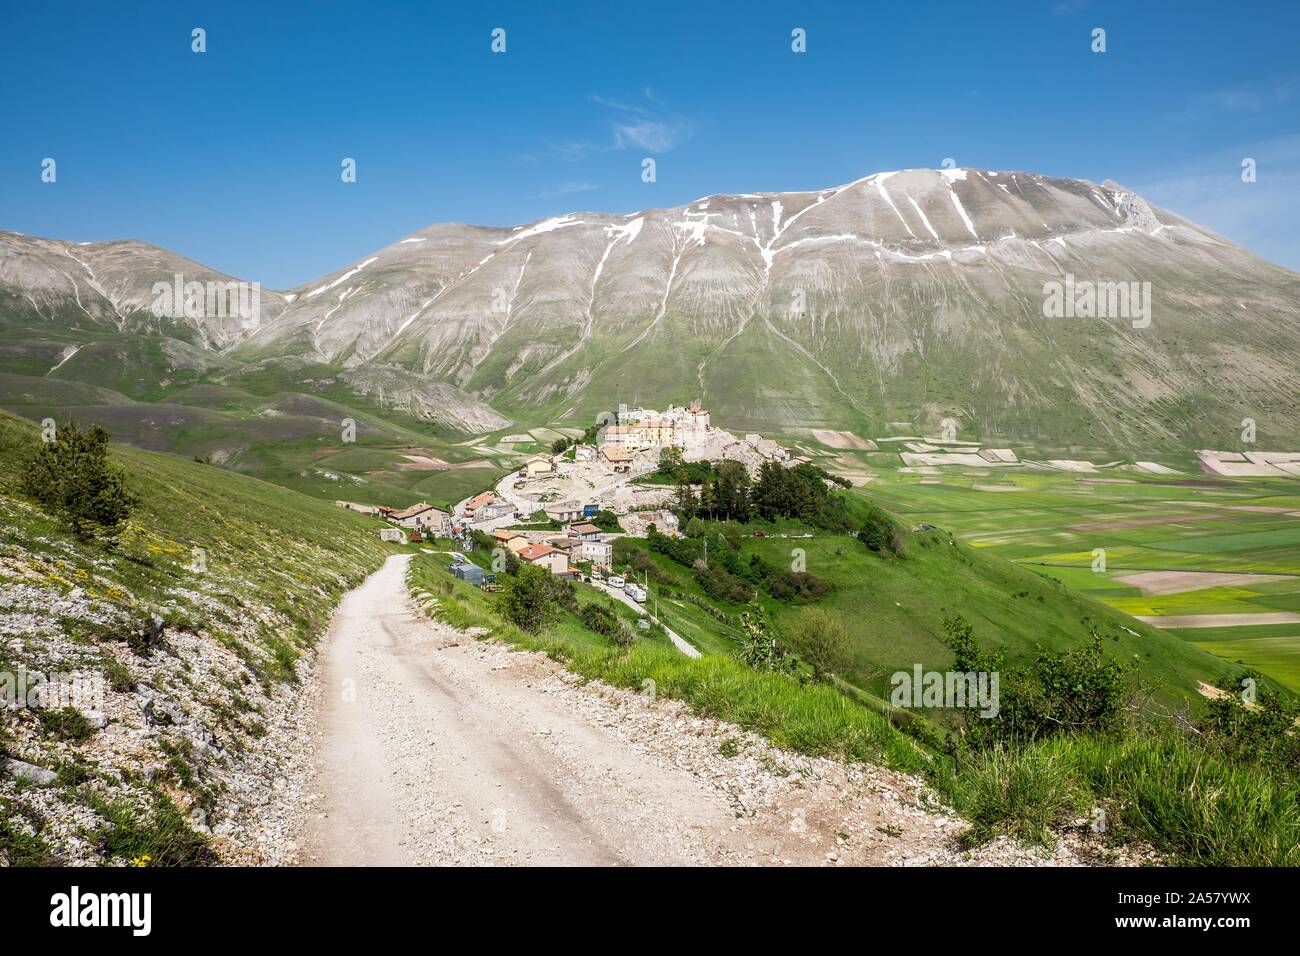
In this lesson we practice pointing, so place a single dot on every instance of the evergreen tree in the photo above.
(72, 479)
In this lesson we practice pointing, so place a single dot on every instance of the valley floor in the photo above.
(435, 748)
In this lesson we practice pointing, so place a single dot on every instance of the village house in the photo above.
(620, 436)
(599, 553)
(490, 512)
(543, 555)
(619, 458)
(586, 532)
(564, 511)
(539, 466)
(422, 517)
(512, 541)
(568, 545)
(691, 422)
(645, 428)
(360, 508)
(478, 501)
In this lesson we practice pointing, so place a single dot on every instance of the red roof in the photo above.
(535, 551)
(413, 511)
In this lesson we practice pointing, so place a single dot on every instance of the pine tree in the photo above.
(72, 479)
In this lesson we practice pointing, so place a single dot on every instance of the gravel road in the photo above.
(431, 747)
(433, 753)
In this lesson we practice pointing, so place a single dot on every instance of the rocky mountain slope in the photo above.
(903, 297)
(168, 748)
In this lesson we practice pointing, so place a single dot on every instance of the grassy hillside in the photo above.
(264, 424)
(893, 608)
(243, 575)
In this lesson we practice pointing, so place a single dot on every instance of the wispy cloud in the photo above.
(642, 124)
(1259, 215)
(1241, 99)
(564, 189)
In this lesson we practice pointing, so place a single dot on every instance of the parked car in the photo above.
(615, 581)
(759, 534)
(597, 576)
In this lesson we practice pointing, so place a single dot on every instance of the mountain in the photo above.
(897, 300)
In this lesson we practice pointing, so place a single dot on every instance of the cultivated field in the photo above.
(1218, 557)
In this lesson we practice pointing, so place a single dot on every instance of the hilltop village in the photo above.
(562, 509)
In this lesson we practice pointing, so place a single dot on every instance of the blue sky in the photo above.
(232, 157)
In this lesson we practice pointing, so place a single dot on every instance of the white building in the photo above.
(599, 553)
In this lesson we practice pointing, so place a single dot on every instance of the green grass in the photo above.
(259, 544)
(1050, 526)
(280, 425)
(160, 836)
(893, 609)
(815, 720)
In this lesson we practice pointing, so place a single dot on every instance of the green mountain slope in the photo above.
(893, 609)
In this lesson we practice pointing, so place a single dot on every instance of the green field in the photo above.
(1055, 522)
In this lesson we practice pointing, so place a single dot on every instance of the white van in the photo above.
(615, 581)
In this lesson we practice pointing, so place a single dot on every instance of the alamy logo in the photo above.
(38, 691)
(1085, 299)
(73, 909)
(960, 689)
(179, 299)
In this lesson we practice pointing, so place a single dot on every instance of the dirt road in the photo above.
(683, 645)
(435, 748)
(432, 754)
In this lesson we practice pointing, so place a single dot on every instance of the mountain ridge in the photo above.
(912, 295)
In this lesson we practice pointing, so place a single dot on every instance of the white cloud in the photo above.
(642, 125)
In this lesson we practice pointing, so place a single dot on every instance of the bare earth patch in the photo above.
(1143, 522)
(1179, 582)
(847, 440)
(1219, 620)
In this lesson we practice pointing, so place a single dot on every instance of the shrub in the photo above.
(1251, 723)
(534, 597)
(624, 633)
(719, 584)
(599, 618)
(67, 723)
(1079, 690)
(759, 647)
(795, 586)
(71, 479)
(881, 535)
(821, 640)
